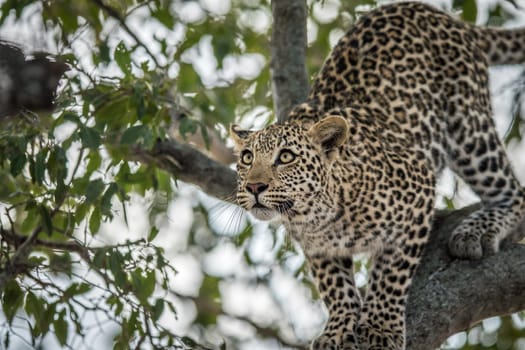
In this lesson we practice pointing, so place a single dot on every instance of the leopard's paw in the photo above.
(373, 338)
(325, 342)
(472, 241)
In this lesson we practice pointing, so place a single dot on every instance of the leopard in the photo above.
(403, 94)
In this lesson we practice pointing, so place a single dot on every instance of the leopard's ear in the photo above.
(239, 135)
(331, 132)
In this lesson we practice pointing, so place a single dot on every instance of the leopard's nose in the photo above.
(256, 188)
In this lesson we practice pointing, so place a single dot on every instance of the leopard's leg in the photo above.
(382, 319)
(335, 280)
(477, 155)
(382, 323)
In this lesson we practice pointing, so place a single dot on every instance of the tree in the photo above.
(130, 105)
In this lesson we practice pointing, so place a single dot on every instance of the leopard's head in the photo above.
(284, 167)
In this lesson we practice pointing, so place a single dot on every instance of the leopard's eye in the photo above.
(285, 157)
(246, 158)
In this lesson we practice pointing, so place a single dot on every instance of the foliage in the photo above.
(136, 73)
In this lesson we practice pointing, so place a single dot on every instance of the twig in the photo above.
(114, 13)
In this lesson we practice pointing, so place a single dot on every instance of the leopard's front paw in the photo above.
(373, 338)
(471, 241)
(325, 342)
(329, 342)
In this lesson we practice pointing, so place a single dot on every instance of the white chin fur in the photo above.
(263, 214)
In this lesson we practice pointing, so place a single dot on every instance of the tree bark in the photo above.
(450, 295)
(288, 50)
(188, 164)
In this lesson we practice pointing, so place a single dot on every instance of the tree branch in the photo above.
(192, 166)
(450, 295)
(288, 50)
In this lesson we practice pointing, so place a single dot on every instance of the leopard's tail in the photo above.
(502, 46)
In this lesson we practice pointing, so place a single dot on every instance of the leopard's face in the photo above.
(283, 167)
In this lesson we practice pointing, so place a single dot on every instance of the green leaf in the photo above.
(470, 11)
(67, 17)
(164, 16)
(157, 310)
(61, 328)
(153, 233)
(76, 289)
(100, 258)
(123, 58)
(187, 126)
(149, 283)
(35, 307)
(139, 101)
(143, 285)
(90, 137)
(57, 169)
(95, 220)
(71, 117)
(137, 282)
(31, 218)
(105, 205)
(114, 113)
(46, 221)
(94, 190)
(116, 262)
(223, 45)
(209, 290)
(104, 53)
(8, 186)
(81, 212)
(12, 299)
(449, 203)
(246, 233)
(164, 181)
(94, 162)
(188, 80)
(57, 164)
(135, 134)
(18, 161)
(37, 167)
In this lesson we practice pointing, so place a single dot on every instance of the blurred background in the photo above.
(121, 254)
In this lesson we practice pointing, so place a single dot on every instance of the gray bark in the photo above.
(288, 51)
(192, 166)
(450, 295)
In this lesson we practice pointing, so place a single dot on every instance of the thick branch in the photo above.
(288, 67)
(450, 295)
(192, 166)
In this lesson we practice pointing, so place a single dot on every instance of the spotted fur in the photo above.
(403, 94)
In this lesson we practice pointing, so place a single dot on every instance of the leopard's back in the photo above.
(418, 73)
